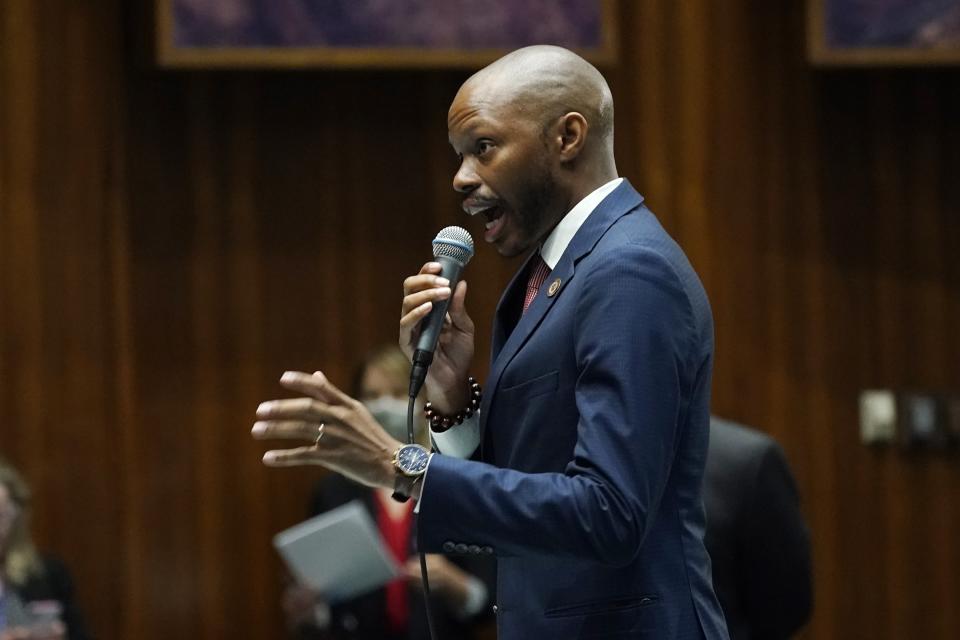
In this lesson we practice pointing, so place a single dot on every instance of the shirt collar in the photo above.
(556, 243)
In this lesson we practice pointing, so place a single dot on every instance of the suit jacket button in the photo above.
(460, 547)
(474, 549)
(488, 550)
(495, 609)
(448, 547)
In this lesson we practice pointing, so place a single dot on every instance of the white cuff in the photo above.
(459, 441)
(423, 484)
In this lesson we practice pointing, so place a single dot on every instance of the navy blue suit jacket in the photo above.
(594, 435)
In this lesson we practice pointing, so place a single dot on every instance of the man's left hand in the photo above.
(345, 438)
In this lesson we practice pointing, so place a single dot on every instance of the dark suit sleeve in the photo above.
(636, 359)
(776, 553)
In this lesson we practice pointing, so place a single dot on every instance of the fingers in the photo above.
(458, 310)
(286, 430)
(316, 386)
(426, 277)
(293, 457)
(431, 267)
(417, 299)
(420, 300)
(302, 409)
(410, 320)
(301, 418)
(420, 293)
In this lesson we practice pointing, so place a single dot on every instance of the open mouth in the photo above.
(492, 211)
(494, 223)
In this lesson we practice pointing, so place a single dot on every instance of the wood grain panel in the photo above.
(171, 242)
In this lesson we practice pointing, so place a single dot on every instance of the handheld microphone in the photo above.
(452, 248)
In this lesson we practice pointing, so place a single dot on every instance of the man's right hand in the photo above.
(447, 378)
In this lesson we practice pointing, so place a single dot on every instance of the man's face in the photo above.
(377, 382)
(505, 172)
(8, 516)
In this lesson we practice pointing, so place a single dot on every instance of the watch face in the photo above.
(412, 459)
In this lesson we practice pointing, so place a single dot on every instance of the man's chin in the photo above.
(511, 247)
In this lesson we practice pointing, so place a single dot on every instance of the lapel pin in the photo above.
(554, 287)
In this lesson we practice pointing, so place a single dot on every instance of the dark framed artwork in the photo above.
(884, 32)
(375, 33)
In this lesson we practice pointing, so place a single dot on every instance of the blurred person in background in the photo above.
(36, 592)
(756, 535)
(461, 588)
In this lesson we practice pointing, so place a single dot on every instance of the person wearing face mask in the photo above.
(461, 589)
(36, 592)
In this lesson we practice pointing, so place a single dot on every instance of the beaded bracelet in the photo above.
(440, 423)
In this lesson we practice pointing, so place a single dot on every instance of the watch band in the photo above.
(403, 486)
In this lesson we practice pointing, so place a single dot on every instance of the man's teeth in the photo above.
(490, 223)
(476, 209)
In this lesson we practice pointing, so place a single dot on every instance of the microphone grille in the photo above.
(455, 243)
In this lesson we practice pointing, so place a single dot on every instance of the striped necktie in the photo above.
(539, 271)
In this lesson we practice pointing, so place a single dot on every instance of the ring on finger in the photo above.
(316, 442)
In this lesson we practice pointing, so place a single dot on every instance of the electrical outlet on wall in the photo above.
(878, 416)
(919, 420)
(911, 420)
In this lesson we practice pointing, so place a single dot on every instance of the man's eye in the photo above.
(483, 146)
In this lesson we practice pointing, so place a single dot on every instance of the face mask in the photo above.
(391, 413)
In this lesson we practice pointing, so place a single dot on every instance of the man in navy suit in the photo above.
(582, 469)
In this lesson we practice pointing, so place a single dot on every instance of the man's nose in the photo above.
(465, 179)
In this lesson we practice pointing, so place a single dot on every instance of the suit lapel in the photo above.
(506, 344)
(502, 319)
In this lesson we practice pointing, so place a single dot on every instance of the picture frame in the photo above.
(883, 32)
(396, 34)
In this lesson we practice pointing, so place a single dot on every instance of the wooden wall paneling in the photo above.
(23, 341)
(245, 368)
(931, 328)
(844, 198)
(78, 79)
(170, 242)
(164, 238)
(773, 96)
(129, 617)
(693, 105)
(55, 294)
(886, 117)
(733, 203)
(647, 54)
(205, 159)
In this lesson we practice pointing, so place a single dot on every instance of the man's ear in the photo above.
(572, 135)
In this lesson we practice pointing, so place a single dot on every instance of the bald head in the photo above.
(534, 135)
(544, 82)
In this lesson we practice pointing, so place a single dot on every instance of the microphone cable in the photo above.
(423, 557)
(452, 249)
